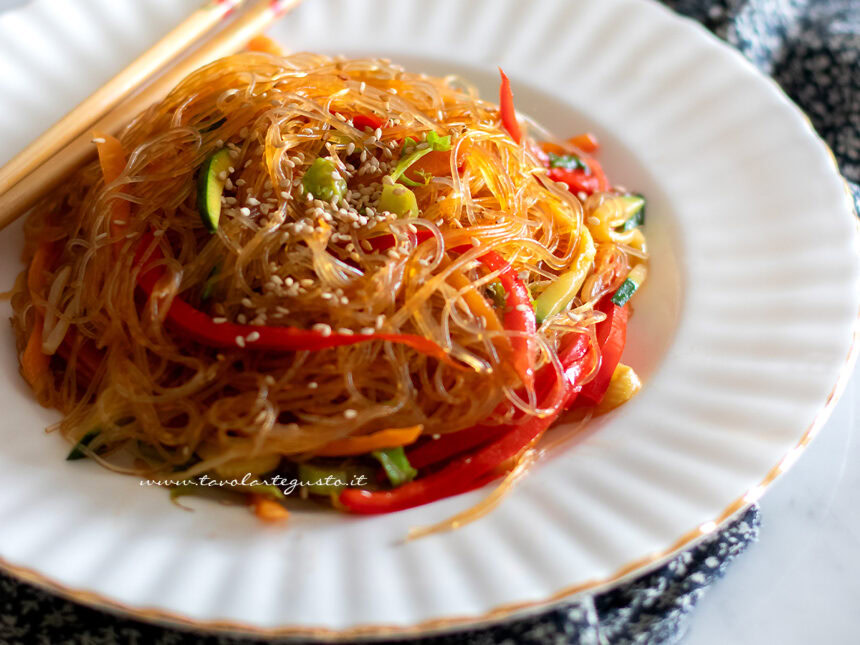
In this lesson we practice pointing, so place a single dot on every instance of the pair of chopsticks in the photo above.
(43, 164)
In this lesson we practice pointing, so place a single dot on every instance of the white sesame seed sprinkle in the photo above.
(322, 328)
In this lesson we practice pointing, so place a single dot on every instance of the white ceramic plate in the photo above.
(743, 332)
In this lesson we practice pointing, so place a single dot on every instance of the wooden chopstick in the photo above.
(112, 92)
(31, 187)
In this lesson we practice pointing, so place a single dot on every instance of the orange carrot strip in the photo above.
(586, 142)
(112, 160)
(266, 45)
(34, 362)
(362, 444)
(267, 509)
(41, 262)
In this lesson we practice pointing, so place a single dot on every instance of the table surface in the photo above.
(798, 584)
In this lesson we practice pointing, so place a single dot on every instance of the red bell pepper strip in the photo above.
(200, 327)
(464, 472)
(506, 109)
(578, 180)
(519, 315)
(371, 121)
(450, 479)
(432, 451)
(611, 337)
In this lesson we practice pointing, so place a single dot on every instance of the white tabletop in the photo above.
(799, 584)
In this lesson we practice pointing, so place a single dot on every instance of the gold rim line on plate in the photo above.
(509, 610)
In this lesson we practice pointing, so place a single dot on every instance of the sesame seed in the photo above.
(246, 302)
(523, 307)
(322, 328)
(240, 341)
(367, 331)
(313, 385)
(245, 211)
(99, 140)
(345, 331)
(436, 436)
(306, 282)
(253, 336)
(350, 413)
(241, 319)
(252, 201)
(219, 320)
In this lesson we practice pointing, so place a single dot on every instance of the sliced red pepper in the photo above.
(385, 242)
(433, 451)
(450, 479)
(371, 121)
(578, 180)
(464, 472)
(199, 326)
(519, 311)
(519, 315)
(611, 337)
(506, 109)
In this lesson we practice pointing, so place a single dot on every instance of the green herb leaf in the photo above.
(396, 465)
(439, 143)
(435, 143)
(568, 162)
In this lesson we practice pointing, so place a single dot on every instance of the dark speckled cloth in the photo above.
(812, 48)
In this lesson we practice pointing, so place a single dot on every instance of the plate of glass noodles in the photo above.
(410, 316)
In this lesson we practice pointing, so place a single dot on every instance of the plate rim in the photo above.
(507, 611)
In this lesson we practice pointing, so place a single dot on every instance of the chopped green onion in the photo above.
(435, 143)
(396, 465)
(568, 162)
